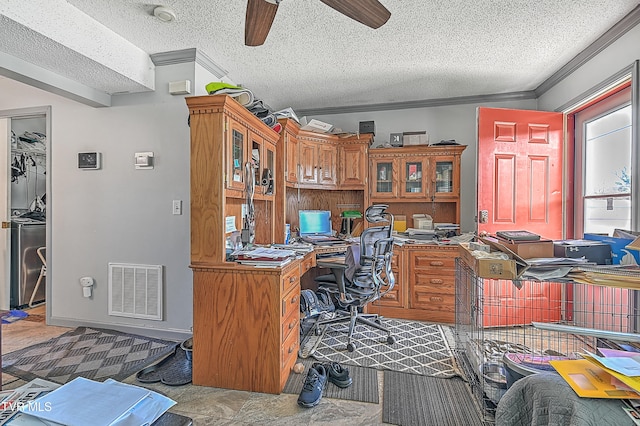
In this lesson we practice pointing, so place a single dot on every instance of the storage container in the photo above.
(518, 366)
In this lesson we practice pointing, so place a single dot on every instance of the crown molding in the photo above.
(188, 55)
(426, 103)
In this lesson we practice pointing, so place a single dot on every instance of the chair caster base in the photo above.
(391, 340)
(351, 347)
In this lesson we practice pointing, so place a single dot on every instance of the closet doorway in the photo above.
(24, 198)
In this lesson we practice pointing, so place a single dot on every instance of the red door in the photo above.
(520, 187)
(520, 171)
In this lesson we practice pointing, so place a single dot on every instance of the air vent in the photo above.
(135, 291)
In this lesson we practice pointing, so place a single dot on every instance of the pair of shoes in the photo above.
(313, 387)
(338, 375)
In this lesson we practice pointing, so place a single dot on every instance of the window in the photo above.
(603, 146)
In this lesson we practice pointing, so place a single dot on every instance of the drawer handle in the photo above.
(293, 278)
(292, 348)
(437, 263)
(292, 324)
(436, 281)
(294, 299)
(435, 299)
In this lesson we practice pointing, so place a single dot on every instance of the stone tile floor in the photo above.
(213, 406)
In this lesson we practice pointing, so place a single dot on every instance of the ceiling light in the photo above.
(164, 14)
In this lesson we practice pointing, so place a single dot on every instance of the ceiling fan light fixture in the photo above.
(164, 14)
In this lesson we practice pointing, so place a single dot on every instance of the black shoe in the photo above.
(314, 384)
(337, 374)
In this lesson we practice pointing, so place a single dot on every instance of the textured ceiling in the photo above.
(315, 57)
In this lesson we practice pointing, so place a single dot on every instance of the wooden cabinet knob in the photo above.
(292, 324)
(437, 263)
(293, 279)
(436, 299)
(292, 348)
(436, 281)
(294, 300)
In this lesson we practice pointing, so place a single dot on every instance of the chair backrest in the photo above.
(382, 274)
(376, 213)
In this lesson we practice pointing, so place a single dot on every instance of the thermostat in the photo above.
(89, 160)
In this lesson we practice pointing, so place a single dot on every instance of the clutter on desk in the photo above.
(264, 256)
(299, 248)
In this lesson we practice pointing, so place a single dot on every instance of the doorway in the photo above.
(23, 207)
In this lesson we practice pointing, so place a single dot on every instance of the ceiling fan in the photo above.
(260, 14)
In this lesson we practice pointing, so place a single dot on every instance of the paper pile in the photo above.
(82, 402)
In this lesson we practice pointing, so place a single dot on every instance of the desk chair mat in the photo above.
(174, 370)
(363, 389)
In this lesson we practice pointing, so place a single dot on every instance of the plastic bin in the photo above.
(518, 366)
(494, 376)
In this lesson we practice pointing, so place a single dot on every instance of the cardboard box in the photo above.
(415, 138)
(620, 254)
(422, 221)
(531, 249)
(593, 251)
(314, 125)
(506, 269)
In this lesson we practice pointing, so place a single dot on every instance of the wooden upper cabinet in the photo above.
(384, 178)
(292, 163)
(308, 159)
(223, 136)
(237, 147)
(420, 174)
(445, 176)
(317, 163)
(352, 166)
(413, 182)
(263, 158)
(327, 160)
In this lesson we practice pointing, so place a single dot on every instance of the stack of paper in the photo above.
(84, 402)
(265, 257)
(615, 375)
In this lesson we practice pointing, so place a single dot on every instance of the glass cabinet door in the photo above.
(413, 184)
(383, 175)
(445, 184)
(236, 151)
(269, 176)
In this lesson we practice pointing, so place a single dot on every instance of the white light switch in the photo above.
(177, 206)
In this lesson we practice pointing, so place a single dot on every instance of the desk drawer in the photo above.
(289, 351)
(307, 263)
(290, 279)
(290, 303)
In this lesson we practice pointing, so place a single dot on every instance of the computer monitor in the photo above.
(315, 222)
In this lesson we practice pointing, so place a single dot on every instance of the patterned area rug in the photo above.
(86, 352)
(420, 348)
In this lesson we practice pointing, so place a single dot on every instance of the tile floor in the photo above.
(212, 406)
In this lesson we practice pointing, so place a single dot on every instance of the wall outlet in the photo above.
(177, 206)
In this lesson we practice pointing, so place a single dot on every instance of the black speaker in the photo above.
(368, 127)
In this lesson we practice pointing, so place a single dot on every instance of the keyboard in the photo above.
(322, 239)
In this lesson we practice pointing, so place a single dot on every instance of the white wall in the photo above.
(617, 56)
(116, 214)
(444, 122)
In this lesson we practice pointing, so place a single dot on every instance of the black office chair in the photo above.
(365, 276)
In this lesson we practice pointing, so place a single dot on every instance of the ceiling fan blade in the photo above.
(369, 12)
(260, 14)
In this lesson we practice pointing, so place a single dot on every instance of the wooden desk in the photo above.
(246, 324)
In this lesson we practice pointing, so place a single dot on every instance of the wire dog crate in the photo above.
(506, 329)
